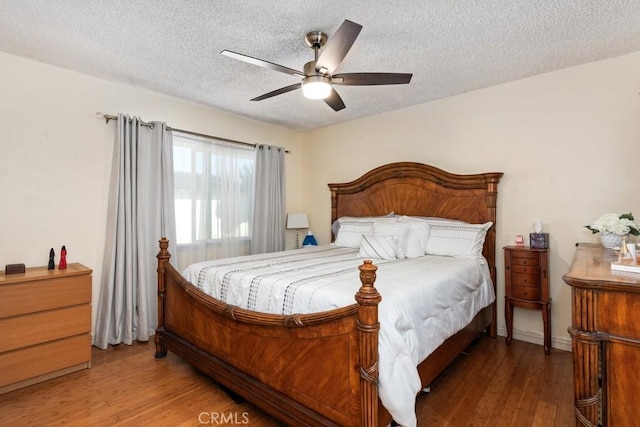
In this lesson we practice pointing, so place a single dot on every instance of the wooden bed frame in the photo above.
(321, 368)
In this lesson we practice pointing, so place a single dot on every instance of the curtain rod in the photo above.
(108, 117)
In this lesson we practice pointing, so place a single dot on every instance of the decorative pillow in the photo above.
(335, 227)
(395, 229)
(439, 220)
(457, 239)
(432, 219)
(351, 232)
(416, 239)
(377, 247)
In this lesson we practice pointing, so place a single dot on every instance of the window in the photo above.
(214, 187)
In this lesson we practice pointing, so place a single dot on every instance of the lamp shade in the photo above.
(297, 220)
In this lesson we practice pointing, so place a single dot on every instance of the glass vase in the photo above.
(610, 240)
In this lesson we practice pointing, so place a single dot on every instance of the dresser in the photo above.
(45, 324)
(605, 335)
(526, 282)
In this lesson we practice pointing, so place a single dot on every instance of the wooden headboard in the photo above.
(416, 189)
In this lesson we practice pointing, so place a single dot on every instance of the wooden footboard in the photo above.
(314, 369)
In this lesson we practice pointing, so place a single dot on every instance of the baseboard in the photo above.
(560, 343)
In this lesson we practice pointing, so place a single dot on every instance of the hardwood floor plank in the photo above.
(565, 413)
(533, 388)
(550, 394)
(494, 385)
(510, 379)
(489, 395)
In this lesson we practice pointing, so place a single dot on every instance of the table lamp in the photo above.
(297, 221)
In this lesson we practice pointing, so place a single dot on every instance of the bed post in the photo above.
(368, 327)
(492, 197)
(163, 257)
(334, 210)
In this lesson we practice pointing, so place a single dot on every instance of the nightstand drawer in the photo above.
(524, 254)
(526, 293)
(531, 280)
(524, 260)
(525, 269)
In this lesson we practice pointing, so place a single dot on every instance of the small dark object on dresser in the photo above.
(52, 262)
(14, 269)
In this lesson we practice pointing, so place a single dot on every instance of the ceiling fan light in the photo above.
(316, 87)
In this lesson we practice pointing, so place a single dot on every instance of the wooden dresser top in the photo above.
(36, 273)
(591, 268)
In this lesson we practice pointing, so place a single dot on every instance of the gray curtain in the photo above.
(268, 226)
(141, 210)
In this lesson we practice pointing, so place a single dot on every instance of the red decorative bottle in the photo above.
(63, 258)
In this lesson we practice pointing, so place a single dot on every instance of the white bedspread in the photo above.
(425, 300)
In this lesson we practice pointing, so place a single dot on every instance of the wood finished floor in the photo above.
(493, 385)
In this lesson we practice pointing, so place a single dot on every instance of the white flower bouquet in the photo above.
(620, 225)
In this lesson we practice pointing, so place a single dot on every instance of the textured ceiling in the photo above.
(450, 46)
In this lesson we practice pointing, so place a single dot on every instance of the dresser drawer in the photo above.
(526, 293)
(624, 309)
(29, 362)
(519, 279)
(46, 294)
(24, 331)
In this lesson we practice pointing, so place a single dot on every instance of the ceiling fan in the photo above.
(318, 78)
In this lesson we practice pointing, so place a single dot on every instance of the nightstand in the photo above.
(526, 285)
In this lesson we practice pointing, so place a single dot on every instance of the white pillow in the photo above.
(377, 247)
(351, 232)
(436, 220)
(457, 239)
(335, 227)
(395, 229)
(416, 238)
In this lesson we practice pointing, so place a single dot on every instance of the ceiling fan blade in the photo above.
(278, 92)
(334, 101)
(262, 63)
(370, 79)
(337, 47)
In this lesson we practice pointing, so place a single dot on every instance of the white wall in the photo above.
(55, 157)
(568, 143)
